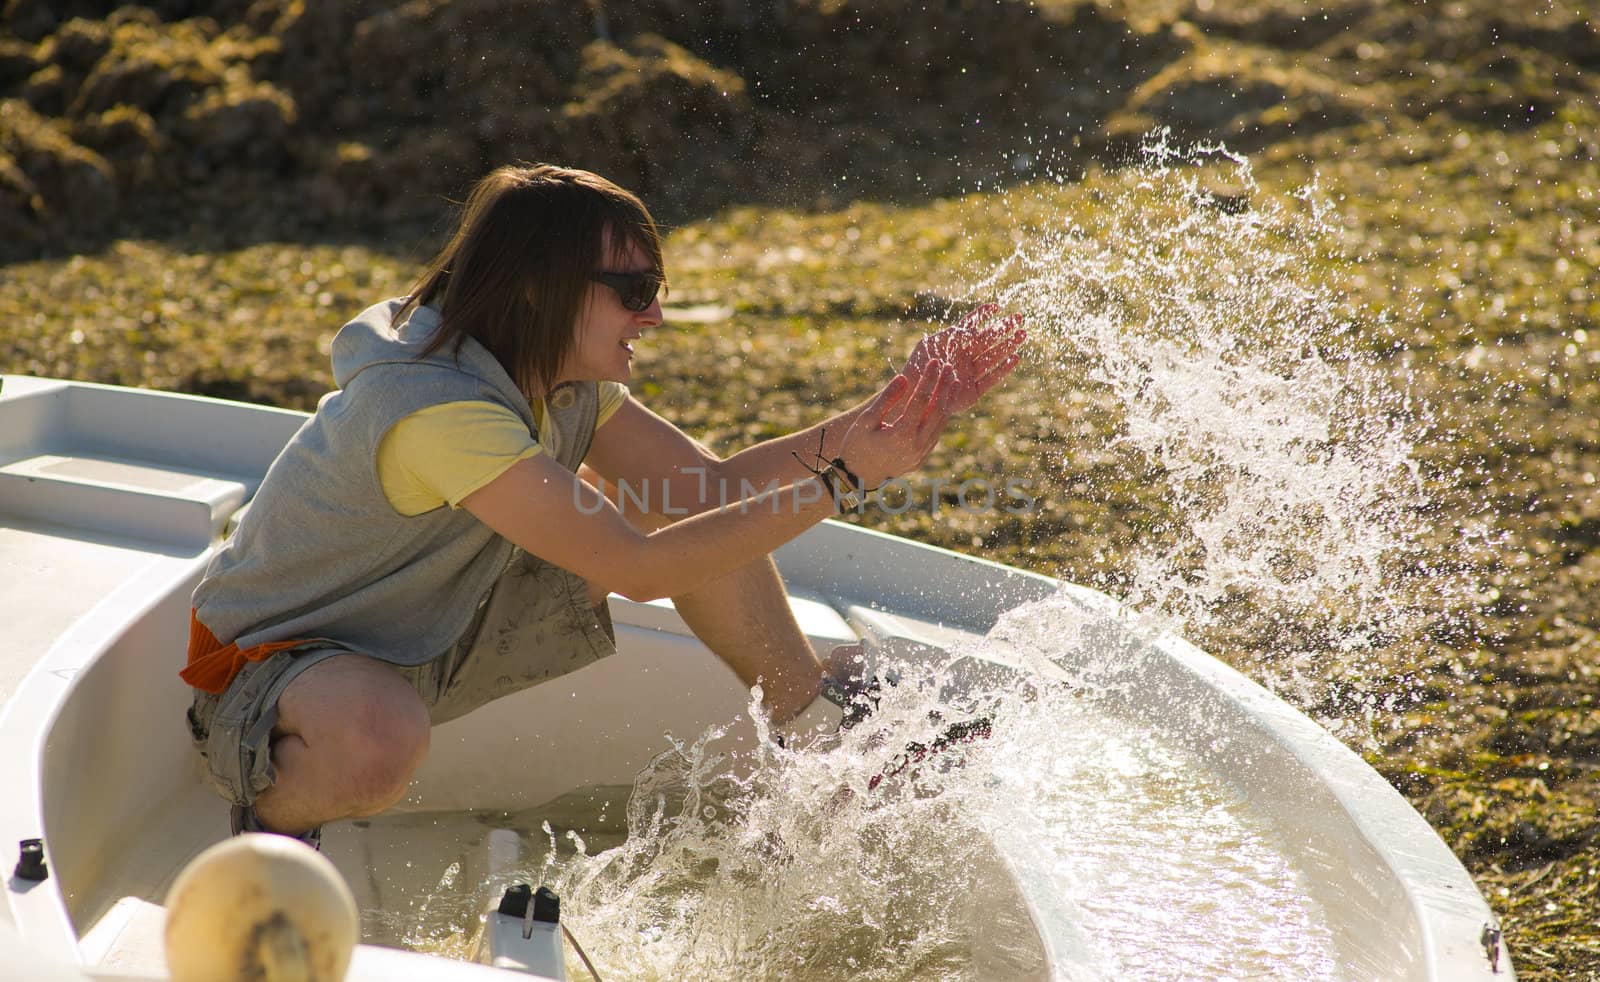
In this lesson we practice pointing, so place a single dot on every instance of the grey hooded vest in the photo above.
(321, 554)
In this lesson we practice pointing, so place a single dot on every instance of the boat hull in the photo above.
(129, 492)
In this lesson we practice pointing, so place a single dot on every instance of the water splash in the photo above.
(1284, 499)
(1287, 495)
(803, 864)
(779, 872)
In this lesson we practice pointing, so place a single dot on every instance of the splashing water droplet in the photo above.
(1271, 438)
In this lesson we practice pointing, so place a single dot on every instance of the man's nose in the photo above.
(651, 316)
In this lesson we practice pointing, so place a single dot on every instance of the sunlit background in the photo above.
(1313, 291)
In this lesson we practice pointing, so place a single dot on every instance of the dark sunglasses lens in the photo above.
(635, 290)
(639, 292)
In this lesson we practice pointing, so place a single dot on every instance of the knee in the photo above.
(384, 744)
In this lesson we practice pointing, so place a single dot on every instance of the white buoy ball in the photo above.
(260, 907)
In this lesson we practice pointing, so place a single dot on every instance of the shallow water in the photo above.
(1164, 868)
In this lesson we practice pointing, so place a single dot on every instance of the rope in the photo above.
(579, 948)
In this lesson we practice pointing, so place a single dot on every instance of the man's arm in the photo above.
(637, 445)
(655, 467)
(547, 510)
(544, 508)
(745, 617)
(982, 351)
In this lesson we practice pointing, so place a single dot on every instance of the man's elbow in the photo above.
(642, 578)
(641, 590)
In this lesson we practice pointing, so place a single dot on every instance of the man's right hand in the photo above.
(900, 426)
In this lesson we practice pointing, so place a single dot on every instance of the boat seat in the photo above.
(120, 498)
(128, 466)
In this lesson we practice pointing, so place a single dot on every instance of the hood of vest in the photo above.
(372, 339)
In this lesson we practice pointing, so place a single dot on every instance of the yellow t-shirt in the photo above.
(439, 455)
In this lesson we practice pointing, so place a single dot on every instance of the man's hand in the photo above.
(981, 350)
(895, 432)
(948, 372)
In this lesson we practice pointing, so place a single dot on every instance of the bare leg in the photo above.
(351, 731)
(745, 619)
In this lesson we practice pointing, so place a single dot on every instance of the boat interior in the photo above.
(112, 501)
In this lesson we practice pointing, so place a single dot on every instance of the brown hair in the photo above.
(515, 274)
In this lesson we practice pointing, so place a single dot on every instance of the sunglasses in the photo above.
(636, 290)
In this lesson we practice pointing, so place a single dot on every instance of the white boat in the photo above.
(112, 501)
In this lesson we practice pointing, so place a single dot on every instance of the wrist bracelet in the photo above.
(839, 465)
(832, 472)
(842, 498)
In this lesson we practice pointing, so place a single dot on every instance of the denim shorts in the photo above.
(535, 624)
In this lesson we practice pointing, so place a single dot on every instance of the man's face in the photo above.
(606, 329)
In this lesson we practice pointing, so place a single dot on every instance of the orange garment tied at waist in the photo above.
(212, 664)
